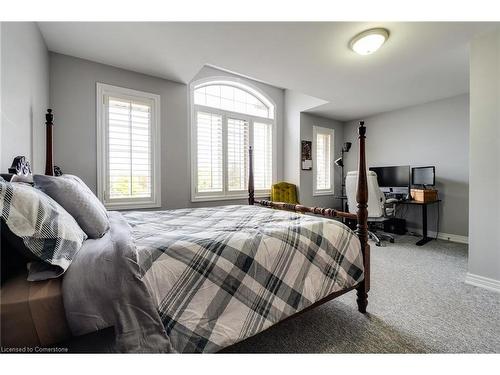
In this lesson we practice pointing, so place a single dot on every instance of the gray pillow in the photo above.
(76, 198)
(49, 233)
(28, 179)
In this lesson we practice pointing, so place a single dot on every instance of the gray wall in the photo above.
(73, 98)
(435, 133)
(437, 130)
(307, 121)
(484, 209)
(25, 94)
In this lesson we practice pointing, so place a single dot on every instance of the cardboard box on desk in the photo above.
(424, 195)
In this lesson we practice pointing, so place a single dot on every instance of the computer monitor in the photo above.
(425, 176)
(393, 179)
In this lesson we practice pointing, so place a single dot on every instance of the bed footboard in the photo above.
(361, 215)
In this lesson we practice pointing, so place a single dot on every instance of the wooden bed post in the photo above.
(49, 163)
(362, 213)
(361, 217)
(251, 191)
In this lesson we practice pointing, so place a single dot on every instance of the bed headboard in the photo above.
(49, 151)
(20, 166)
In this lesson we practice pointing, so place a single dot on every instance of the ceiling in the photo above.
(419, 63)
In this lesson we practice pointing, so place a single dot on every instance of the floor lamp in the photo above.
(340, 163)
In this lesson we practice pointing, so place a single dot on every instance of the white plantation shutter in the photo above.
(263, 155)
(237, 154)
(234, 99)
(128, 138)
(209, 152)
(228, 118)
(129, 149)
(324, 163)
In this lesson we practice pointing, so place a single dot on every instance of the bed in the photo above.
(199, 280)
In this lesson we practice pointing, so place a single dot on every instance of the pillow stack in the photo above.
(48, 232)
(52, 220)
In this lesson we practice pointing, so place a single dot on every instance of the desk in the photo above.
(424, 205)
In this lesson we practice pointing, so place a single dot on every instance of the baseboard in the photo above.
(483, 282)
(443, 236)
(451, 237)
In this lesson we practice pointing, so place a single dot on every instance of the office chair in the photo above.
(284, 192)
(378, 210)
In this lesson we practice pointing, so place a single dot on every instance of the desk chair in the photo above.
(284, 192)
(378, 211)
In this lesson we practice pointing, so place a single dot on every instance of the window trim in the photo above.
(322, 130)
(103, 89)
(192, 144)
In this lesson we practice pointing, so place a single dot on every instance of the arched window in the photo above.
(227, 117)
(229, 97)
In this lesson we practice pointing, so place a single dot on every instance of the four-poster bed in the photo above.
(236, 252)
(361, 217)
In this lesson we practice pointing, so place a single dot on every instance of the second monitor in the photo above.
(424, 176)
(394, 180)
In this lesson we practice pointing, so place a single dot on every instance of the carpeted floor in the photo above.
(418, 303)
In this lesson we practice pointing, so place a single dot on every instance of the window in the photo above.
(229, 117)
(226, 96)
(128, 160)
(323, 156)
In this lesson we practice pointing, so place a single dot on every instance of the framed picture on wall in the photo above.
(306, 155)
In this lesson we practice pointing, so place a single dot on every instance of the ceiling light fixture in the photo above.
(369, 41)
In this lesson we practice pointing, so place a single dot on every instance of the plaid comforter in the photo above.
(220, 275)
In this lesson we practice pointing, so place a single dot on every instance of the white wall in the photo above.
(73, 98)
(295, 103)
(2, 169)
(307, 121)
(25, 94)
(484, 208)
(434, 133)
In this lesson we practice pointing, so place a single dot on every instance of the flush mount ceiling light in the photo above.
(369, 41)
